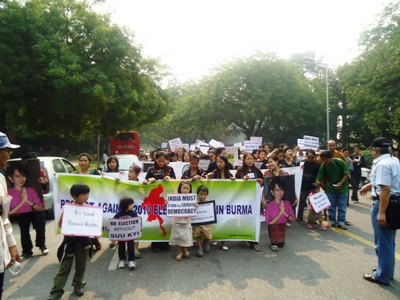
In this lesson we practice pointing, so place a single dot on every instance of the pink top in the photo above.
(32, 197)
(272, 210)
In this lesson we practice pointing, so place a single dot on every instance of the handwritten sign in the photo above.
(257, 138)
(310, 142)
(82, 220)
(175, 144)
(205, 214)
(249, 146)
(125, 229)
(319, 201)
(181, 205)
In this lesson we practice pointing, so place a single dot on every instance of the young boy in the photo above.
(206, 230)
(72, 247)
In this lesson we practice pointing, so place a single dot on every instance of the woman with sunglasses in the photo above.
(310, 171)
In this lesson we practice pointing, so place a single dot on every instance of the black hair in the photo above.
(310, 151)
(29, 155)
(286, 150)
(345, 149)
(181, 184)
(219, 151)
(124, 203)
(326, 154)
(109, 159)
(274, 157)
(158, 155)
(279, 182)
(89, 157)
(23, 170)
(202, 188)
(315, 186)
(136, 168)
(225, 170)
(195, 157)
(79, 188)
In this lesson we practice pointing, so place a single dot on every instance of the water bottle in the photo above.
(16, 268)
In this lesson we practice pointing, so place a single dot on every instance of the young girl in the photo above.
(186, 157)
(125, 212)
(112, 164)
(278, 212)
(194, 172)
(221, 172)
(181, 233)
(312, 215)
(133, 174)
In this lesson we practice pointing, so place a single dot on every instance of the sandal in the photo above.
(309, 226)
(138, 255)
(275, 248)
(186, 254)
(179, 257)
(256, 247)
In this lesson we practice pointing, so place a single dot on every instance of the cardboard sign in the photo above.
(249, 146)
(257, 138)
(125, 229)
(175, 144)
(319, 201)
(311, 142)
(181, 205)
(205, 214)
(82, 220)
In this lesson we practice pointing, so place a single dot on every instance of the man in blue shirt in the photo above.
(384, 186)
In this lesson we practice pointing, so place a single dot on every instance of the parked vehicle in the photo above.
(364, 176)
(52, 165)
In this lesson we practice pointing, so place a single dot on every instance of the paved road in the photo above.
(312, 265)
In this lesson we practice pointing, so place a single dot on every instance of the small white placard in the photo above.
(175, 144)
(319, 201)
(311, 142)
(216, 144)
(117, 175)
(125, 229)
(249, 146)
(205, 213)
(257, 138)
(181, 205)
(82, 220)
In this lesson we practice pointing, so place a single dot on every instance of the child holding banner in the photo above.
(313, 216)
(77, 247)
(126, 212)
(181, 232)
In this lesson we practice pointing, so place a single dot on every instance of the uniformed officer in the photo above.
(384, 186)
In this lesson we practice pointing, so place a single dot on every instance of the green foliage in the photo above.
(67, 70)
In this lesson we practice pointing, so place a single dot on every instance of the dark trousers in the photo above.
(37, 219)
(1, 284)
(302, 203)
(355, 182)
(122, 249)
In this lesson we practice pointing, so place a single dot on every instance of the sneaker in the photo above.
(207, 247)
(322, 227)
(214, 243)
(355, 202)
(55, 296)
(309, 226)
(121, 264)
(288, 225)
(79, 292)
(199, 253)
(347, 223)
(25, 256)
(131, 265)
(44, 250)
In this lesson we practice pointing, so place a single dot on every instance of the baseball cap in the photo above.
(381, 142)
(5, 142)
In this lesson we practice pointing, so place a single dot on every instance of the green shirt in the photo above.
(334, 174)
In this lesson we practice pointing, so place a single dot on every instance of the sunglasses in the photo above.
(311, 157)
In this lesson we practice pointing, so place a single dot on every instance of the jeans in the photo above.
(339, 205)
(384, 247)
(355, 182)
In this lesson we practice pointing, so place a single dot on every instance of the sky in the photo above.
(192, 37)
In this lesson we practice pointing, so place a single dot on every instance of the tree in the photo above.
(68, 71)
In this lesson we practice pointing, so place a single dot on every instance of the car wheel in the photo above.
(49, 214)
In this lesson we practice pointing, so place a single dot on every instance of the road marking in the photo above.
(114, 261)
(362, 240)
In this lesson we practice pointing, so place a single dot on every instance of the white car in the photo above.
(364, 176)
(52, 165)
